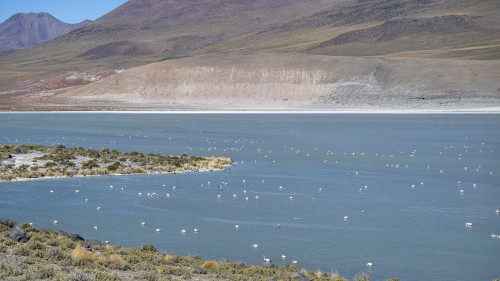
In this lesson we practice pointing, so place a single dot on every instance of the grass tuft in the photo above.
(211, 265)
(80, 254)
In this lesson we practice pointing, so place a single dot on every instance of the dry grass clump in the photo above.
(169, 258)
(211, 265)
(116, 258)
(80, 254)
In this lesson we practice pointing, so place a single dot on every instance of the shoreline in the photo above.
(475, 110)
(114, 175)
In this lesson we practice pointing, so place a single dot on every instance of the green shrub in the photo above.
(102, 276)
(148, 248)
(41, 272)
(21, 250)
(8, 271)
(79, 276)
(8, 223)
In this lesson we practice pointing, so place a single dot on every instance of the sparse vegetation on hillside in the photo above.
(36, 161)
(55, 255)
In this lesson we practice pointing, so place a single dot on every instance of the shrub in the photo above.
(393, 279)
(116, 258)
(80, 254)
(150, 276)
(148, 248)
(8, 223)
(169, 258)
(8, 271)
(56, 254)
(80, 276)
(41, 272)
(102, 276)
(211, 265)
(20, 250)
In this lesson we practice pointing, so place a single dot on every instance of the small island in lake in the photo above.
(28, 161)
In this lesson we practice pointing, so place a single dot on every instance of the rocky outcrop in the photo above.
(20, 236)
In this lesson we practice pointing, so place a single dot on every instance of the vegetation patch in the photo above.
(29, 161)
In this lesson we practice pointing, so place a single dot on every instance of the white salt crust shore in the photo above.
(437, 110)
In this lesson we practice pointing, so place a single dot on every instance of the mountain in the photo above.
(387, 41)
(27, 30)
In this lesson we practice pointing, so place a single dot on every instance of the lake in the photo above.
(345, 189)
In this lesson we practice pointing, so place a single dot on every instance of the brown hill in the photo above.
(27, 30)
(193, 32)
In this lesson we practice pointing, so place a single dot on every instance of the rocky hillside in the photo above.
(275, 81)
(191, 34)
(27, 30)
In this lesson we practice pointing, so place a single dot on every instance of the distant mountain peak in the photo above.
(24, 30)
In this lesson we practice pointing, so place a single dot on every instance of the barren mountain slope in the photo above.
(191, 34)
(289, 80)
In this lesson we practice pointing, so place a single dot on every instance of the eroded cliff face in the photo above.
(294, 80)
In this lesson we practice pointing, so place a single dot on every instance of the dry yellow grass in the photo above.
(80, 254)
(116, 258)
(169, 258)
(211, 265)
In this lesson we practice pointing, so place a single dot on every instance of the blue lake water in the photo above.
(403, 171)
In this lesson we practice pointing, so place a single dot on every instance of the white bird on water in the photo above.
(183, 231)
(255, 246)
(95, 227)
(56, 222)
(468, 224)
(369, 264)
(98, 208)
(266, 260)
(346, 218)
(237, 226)
(143, 223)
(283, 257)
(158, 230)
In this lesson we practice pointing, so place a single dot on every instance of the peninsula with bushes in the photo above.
(29, 161)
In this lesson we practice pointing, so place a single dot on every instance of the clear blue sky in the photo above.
(70, 11)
